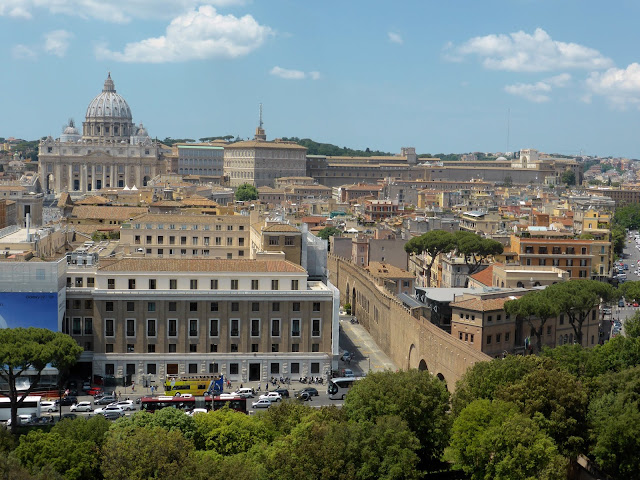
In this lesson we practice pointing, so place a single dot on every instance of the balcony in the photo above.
(315, 333)
(295, 333)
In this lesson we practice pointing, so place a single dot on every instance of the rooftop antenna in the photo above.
(260, 115)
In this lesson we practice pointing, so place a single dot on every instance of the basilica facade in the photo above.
(111, 152)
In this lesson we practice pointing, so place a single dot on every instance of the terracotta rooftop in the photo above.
(477, 304)
(93, 200)
(110, 213)
(386, 270)
(191, 218)
(281, 227)
(202, 265)
(485, 276)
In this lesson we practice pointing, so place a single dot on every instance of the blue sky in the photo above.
(440, 76)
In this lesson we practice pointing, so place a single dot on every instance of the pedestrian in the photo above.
(240, 385)
(259, 386)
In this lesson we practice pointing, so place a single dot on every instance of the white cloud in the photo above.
(57, 42)
(538, 92)
(293, 74)
(117, 11)
(195, 35)
(395, 38)
(620, 86)
(523, 52)
(22, 52)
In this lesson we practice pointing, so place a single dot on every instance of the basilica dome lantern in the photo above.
(108, 117)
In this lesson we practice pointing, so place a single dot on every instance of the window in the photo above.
(234, 347)
(108, 306)
(233, 368)
(561, 319)
(275, 347)
(315, 347)
(111, 283)
(151, 306)
(254, 348)
(108, 348)
(234, 284)
(151, 328)
(316, 306)
(213, 327)
(132, 284)
(193, 284)
(315, 367)
(131, 348)
(193, 306)
(274, 368)
(131, 328)
(549, 330)
(274, 241)
(193, 327)
(489, 318)
(172, 348)
(275, 327)
(213, 348)
(151, 348)
(275, 307)
(235, 307)
(295, 327)
(294, 284)
(295, 347)
(183, 240)
(488, 339)
(193, 348)
(173, 306)
(254, 284)
(152, 284)
(91, 282)
(255, 306)
(213, 368)
(229, 242)
(214, 284)
(151, 368)
(255, 328)
(288, 241)
(218, 241)
(295, 306)
(235, 327)
(173, 327)
(295, 367)
(315, 327)
(274, 285)
(506, 336)
(108, 328)
(160, 239)
(76, 304)
(213, 306)
(131, 307)
(88, 326)
(498, 337)
(173, 283)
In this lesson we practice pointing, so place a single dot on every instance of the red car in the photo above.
(94, 391)
(635, 304)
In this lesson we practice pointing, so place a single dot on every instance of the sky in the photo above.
(561, 76)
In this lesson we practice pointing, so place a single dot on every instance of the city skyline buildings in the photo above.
(443, 78)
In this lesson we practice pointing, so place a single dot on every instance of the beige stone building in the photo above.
(246, 319)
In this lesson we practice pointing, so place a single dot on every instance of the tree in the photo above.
(578, 299)
(491, 439)
(632, 326)
(327, 232)
(568, 177)
(417, 397)
(536, 308)
(475, 249)
(508, 181)
(28, 350)
(432, 243)
(628, 217)
(141, 453)
(170, 419)
(246, 192)
(228, 432)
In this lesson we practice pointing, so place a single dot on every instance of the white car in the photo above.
(125, 404)
(48, 407)
(110, 408)
(271, 396)
(191, 413)
(82, 407)
(262, 403)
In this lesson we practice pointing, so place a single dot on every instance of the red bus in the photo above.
(186, 403)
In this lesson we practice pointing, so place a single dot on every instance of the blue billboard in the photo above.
(29, 309)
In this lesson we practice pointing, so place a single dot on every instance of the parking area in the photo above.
(365, 355)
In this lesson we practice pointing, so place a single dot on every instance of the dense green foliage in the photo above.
(315, 148)
(628, 216)
(327, 232)
(568, 177)
(246, 192)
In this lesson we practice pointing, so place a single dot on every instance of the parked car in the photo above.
(48, 407)
(127, 405)
(81, 407)
(346, 356)
(621, 303)
(110, 408)
(106, 400)
(284, 393)
(262, 403)
(271, 396)
(23, 419)
(348, 373)
(245, 392)
(95, 391)
(191, 413)
(68, 400)
(311, 391)
(112, 415)
(303, 396)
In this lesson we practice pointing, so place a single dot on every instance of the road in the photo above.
(632, 258)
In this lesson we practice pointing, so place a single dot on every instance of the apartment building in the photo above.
(480, 222)
(185, 236)
(246, 319)
(581, 258)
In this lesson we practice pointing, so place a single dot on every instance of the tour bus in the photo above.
(340, 386)
(30, 406)
(196, 385)
(186, 403)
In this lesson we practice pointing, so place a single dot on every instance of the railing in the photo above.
(234, 333)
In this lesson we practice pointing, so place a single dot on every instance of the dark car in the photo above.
(284, 393)
(111, 415)
(68, 400)
(310, 390)
(304, 396)
(106, 400)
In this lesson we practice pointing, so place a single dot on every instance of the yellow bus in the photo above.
(196, 385)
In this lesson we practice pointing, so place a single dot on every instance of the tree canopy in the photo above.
(432, 243)
(475, 249)
(327, 232)
(246, 192)
(536, 308)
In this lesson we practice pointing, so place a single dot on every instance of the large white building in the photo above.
(111, 151)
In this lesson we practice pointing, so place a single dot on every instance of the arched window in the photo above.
(520, 285)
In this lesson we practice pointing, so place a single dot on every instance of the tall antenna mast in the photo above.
(260, 115)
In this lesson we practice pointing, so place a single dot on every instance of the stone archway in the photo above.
(423, 366)
(412, 361)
